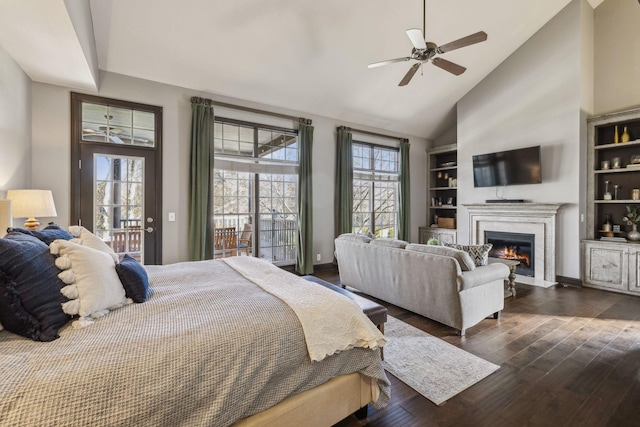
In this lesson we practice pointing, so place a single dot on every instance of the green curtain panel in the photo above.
(404, 210)
(344, 183)
(200, 200)
(304, 259)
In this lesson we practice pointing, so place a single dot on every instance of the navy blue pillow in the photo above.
(134, 278)
(30, 298)
(47, 235)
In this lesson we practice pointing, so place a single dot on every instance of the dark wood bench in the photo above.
(374, 311)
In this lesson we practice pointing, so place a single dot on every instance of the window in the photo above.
(375, 189)
(255, 189)
(117, 125)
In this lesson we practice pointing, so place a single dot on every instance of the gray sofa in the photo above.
(437, 282)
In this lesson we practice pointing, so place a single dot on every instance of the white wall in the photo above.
(617, 56)
(51, 142)
(533, 98)
(15, 126)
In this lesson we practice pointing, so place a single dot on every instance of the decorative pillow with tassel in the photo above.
(84, 237)
(92, 284)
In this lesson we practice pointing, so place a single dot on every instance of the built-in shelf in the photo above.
(618, 170)
(612, 264)
(441, 194)
(618, 145)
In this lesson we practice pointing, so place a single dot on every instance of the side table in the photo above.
(512, 264)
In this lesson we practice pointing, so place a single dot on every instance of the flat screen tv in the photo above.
(512, 167)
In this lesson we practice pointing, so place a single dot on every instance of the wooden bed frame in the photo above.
(321, 406)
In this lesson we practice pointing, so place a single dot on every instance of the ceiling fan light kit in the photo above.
(424, 51)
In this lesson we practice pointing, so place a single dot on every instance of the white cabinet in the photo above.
(443, 235)
(611, 266)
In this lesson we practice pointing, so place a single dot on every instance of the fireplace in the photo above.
(538, 219)
(515, 246)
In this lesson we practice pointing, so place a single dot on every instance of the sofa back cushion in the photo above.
(355, 237)
(479, 253)
(392, 243)
(463, 258)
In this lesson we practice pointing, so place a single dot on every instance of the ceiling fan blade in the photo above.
(448, 66)
(388, 61)
(465, 41)
(407, 77)
(417, 38)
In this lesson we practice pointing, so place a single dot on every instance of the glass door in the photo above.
(117, 188)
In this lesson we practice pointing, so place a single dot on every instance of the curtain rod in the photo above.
(255, 110)
(366, 132)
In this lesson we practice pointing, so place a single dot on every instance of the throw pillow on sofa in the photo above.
(356, 237)
(391, 243)
(479, 253)
(463, 258)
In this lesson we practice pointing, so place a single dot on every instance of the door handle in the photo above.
(149, 229)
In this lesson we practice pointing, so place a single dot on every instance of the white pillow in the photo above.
(463, 258)
(93, 286)
(355, 237)
(391, 243)
(86, 238)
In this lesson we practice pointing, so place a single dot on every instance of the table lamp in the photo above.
(5, 216)
(30, 204)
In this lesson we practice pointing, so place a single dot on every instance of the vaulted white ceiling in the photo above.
(307, 56)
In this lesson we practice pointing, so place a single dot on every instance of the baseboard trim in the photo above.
(322, 267)
(569, 281)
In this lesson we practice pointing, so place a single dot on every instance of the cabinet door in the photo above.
(634, 271)
(606, 267)
(426, 234)
(447, 238)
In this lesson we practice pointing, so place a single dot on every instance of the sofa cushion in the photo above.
(355, 237)
(392, 243)
(479, 253)
(463, 258)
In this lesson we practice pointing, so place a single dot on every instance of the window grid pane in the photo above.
(375, 191)
(275, 215)
(118, 208)
(117, 125)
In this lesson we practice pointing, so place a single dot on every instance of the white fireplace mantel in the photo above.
(538, 219)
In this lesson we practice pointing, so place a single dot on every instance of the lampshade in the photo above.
(5, 216)
(30, 204)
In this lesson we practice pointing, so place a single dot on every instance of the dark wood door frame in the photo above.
(154, 251)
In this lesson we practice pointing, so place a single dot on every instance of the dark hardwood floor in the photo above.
(569, 357)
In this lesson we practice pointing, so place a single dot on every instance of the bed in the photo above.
(208, 347)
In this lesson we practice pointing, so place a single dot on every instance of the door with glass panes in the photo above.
(117, 187)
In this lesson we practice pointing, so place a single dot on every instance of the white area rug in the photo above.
(432, 367)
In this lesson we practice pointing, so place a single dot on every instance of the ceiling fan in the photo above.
(426, 51)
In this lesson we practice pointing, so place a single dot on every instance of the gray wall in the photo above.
(15, 126)
(533, 98)
(51, 142)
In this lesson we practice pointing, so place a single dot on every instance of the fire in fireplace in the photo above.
(515, 246)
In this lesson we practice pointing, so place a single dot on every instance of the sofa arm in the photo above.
(482, 275)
